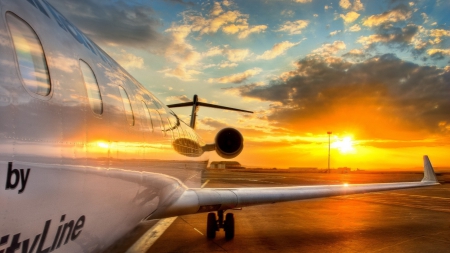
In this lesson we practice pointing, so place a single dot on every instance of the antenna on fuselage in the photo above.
(196, 106)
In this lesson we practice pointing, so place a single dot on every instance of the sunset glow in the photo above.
(375, 73)
(345, 145)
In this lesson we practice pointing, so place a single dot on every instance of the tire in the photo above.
(229, 226)
(211, 226)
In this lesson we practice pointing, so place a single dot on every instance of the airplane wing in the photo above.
(196, 200)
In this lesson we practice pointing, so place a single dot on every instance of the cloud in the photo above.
(356, 6)
(237, 55)
(217, 9)
(182, 53)
(434, 52)
(360, 97)
(229, 22)
(233, 55)
(115, 23)
(236, 78)
(227, 64)
(425, 17)
(213, 52)
(399, 13)
(345, 4)
(438, 34)
(350, 17)
(356, 55)
(128, 60)
(254, 29)
(182, 98)
(277, 50)
(333, 33)
(293, 27)
(181, 72)
(287, 13)
(330, 49)
(355, 28)
(391, 36)
(213, 123)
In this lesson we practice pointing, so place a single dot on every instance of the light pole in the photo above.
(329, 149)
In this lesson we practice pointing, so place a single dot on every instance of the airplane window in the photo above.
(165, 122)
(30, 55)
(147, 115)
(93, 91)
(127, 105)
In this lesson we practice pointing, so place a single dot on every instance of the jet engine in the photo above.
(229, 143)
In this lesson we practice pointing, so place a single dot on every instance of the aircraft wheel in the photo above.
(229, 226)
(211, 226)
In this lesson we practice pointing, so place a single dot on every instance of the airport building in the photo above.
(225, 165)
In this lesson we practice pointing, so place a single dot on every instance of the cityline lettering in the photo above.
(16, 177)
(65, 232)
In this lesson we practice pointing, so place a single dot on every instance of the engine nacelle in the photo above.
(229, 143)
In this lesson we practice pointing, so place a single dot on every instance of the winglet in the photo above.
(429, 175)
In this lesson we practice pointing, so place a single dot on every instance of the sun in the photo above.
(344, 145)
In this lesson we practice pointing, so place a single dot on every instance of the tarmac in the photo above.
(412, 220)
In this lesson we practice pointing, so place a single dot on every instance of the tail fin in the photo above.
(429, 175)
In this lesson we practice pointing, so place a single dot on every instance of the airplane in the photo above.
(87, 152)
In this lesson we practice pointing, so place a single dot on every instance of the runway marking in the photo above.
(204, 184)
(198, 231)
(149, 238)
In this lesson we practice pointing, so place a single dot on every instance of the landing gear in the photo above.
(213, 225)
(229, 226)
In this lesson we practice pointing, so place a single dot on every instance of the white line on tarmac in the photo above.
(149, 238)
(198, 231)
(204, 184)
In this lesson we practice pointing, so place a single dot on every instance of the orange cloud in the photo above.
(398, 14)
(350, 17)
(355, 28)
(237, 55)
(277, 50)
(330, 49)
(236, 78)
(356, 6)
(438, 51)
(294, 27)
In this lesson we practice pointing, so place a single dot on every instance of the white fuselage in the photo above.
(74, 180)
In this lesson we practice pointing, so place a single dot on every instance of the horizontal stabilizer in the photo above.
(196, 104)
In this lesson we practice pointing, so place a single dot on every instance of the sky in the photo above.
(374, 73)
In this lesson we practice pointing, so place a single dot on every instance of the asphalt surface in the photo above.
(413, 220)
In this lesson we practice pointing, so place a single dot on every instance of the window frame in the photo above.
(49, 95)
(148, 115)
(86, 88)
(133, 123)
